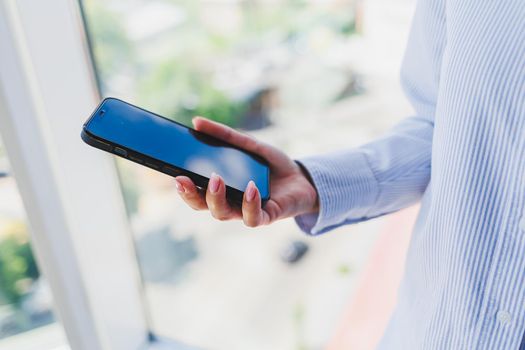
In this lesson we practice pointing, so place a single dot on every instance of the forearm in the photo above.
(375, 179)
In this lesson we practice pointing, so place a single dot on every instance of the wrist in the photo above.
(312, 205)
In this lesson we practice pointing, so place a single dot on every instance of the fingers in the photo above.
(227, 134)
(189, 193)
(280, 161)
(252, 213)
(216, 200)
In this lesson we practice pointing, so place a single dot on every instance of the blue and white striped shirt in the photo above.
(463, 155)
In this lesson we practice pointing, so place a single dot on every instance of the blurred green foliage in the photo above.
(171, 73)
(177, 85)
(111, 47)
(17, 263)
(181, 90)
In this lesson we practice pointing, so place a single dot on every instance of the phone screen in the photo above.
(145, 132)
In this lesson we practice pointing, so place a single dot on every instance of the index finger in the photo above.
(228, 134)
(278, 160)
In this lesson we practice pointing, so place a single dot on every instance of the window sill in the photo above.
(49, 337)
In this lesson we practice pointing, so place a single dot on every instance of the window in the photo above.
(307, 76)
(298, 74)
(83, 245)
(26, 303)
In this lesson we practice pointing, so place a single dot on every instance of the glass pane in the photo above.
(26, 304)
(296, 74)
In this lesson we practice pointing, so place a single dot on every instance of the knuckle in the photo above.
(194, 201)
(222, 217)
(250, 223)
(190, 201)
(186, 200)
(213, 206)
(186, 196)
(197, 206)
(251, 143)
(194, 195)
(219, 216)
(229, 134)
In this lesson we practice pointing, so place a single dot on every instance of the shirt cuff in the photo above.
(346, 187)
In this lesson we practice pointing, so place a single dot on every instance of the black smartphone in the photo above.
(162, 144)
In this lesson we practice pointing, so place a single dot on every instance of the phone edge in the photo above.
(233, 194)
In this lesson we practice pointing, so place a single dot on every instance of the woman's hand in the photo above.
(291, 191)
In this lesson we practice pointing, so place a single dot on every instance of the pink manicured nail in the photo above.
(250, 191)
(179, 187)
(214, 183)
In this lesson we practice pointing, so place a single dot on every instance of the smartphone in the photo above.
(162, 144)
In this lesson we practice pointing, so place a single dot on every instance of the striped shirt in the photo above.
(462, 154)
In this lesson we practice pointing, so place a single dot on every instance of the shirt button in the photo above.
(504, 317)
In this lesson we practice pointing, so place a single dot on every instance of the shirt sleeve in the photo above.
(392, 172)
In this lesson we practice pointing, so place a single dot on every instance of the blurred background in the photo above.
(307, 76)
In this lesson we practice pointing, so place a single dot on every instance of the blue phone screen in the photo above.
(162, 139)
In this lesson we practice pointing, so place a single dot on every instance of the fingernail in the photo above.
(214, 183)
(179, 187)
(250, 191)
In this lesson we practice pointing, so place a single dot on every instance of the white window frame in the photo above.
(71, 192)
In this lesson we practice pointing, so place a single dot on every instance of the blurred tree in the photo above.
(180, 88)
(178, 82)
(17, 263)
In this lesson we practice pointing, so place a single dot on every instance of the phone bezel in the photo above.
(234, 195)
